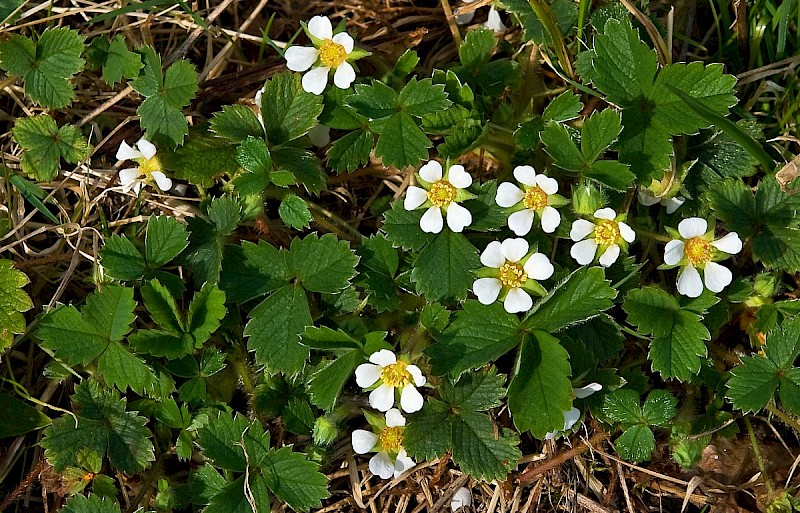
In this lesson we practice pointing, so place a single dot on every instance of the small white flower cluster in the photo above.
(440, 192)
(148, 170)
(388, 376)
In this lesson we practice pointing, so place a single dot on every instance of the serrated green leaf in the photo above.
(659, 408)
(559, 145)
(329, 379)
(297, 416)
(402, 227)
(202, 159)
(91, 504)
(322, 264)
(165, 344)
(540, 391)
(349, 152)
(373, 101)
(401, 142)
(295, 480)
(224, 438)
(24, 418)
(302, 166)
(294, 212)
(422, 97)
(287, 109)
(206, 312)
(103, 427)
(165, 238)
(45, 145)
(232, 498)
(120, 368)
(720, 157)
(275, 327)
(599, 131)
(13, 301)
(636, 444)
(477, 48)
(611, 173)
(162, 307)
(442, 270)
(251, 270)
(236, 123)
(203, 256)
(475, 391)
(377, 268)
(623, 406)
(115, 59)
(564, 107)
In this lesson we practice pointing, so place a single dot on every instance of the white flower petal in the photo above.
(161, 180)
(300, 58)
(415, 197)
(381, 465)
(689, 282)
(547, 184)
(584, 251)
(583, 392)
(416, 374)
(125, 152)
(431, 171)
(494, 22)
(717, 277)
(128, 176)
(402, 463)
(692, 227)
(344, 75)
(673, 252)
(315, 80)
(515, 249)
(647, 199)
(147, 148)
(673, 204)
(550, 435)
(137, 187)
(730, 243)
(344, 39)
(257, 100)
(320, 27)
(627, 232)
(521, 222)
(432, 220)
(367, 374)
(525, 175)
(605, 213)
(465, 19)
(487, 289)
(458, 177)
(363, 441)
(492, 256)
(580, 229)
(538, 267)
(458, 217)
(320, 135)
(609, 256)
(517, 301)
(410, 399)
(462, 497)
(508, 195)
(383, 357)
(382, 398)
(550, 219)
(571, 417)
(394, 418)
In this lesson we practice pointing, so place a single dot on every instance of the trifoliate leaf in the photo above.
(236, 123)
(275, 327)
(478, 335)
(637, 442)
(442, 270)
(13, 301)
(540, 391)
(166, 95)
(202, 159)
(103, 427)
(46, 67)
(373, 101)
(349, 152)
(329, 379)
(295, 480)
(294, 212)
(287, 109)
(659, 408)
(583, 295)
(114, 57)
(679, 338)
(91, 504)
(401, 142)
(422, 97)
(203, 256)
(322, 264)
(45, 144)
(25, 417)
(233, 442)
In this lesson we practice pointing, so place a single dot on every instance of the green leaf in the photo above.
(377, 268)
(564, 107)
(287, 109)
(442, 270)
(275, 327)
(121, 259)
(294, 212)
(165, 239)
(559, 145)
(322, 264)
(402, 143)
(300, 166)
(166, 95)
(583, 295)
(540, 391)
(475, 391)
(205, 313)
(622, 406)
(120, 368)
(402, 227)
(24, 418)
(253, 155)
(47, 67)
(232, 499)
(373, 101)
(104, 427)
(599, 131)
(329, 379)
(225, 436)
(236, 123)
(203, 256)
(422, 97)
(92, 504)
(636, 443)
(251, 270)
(477, 48)
(13, 301)
(659, 408)
(349, 152)
(45, 145)
(678, 335)
(719, 156)
(478, 335)
(295, 480)
(115, 59)
(202, 158)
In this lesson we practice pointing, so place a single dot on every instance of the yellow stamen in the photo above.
(512, 275)
(396, 375)
(331, 54)
(535, 198)
(442, 193)
(391, 439)
(698, 251)
(148, 166)
(606, 232)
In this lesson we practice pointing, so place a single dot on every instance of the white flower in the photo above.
(605, 236)
(697, 249)
(330, 52)
(672, 204)
(391, 373)
(572, 416)
(464, 19)
(320, 135)
(391, 458)
(462, 498)
(494, 22)
(148, 170)
(440, 193)
(511, 272)
(536, 196)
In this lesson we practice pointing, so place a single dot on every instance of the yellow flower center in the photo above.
(148, 166)
(535, 198)
(396, 375)
(698, 251)
(331, 54)
(606, 232)
(441, 193)
(512, 275)
(391, 439)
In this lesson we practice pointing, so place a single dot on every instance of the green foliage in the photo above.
(442, 268)
(637, 441)
(202, 159)
(91, 504)
(25, 417)
(287, 110)
(165, 239)
(207, 237)
(114, 58)
(46, 66)
(294, 212)
(45, 144)
(13, 301)
(236, 123)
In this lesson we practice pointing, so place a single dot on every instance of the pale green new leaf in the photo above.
(45, 144)
(294, 212)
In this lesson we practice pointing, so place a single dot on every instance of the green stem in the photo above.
(548, 20)
(652, 235)
(244, 371)
(785, 418)
(759, 458)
